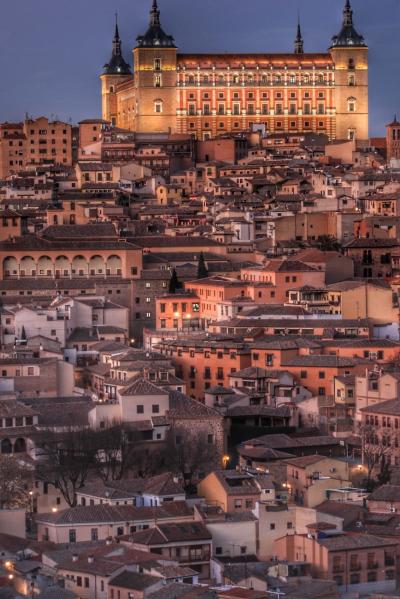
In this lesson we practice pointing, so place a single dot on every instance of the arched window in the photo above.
(351, 104)
(158, 106)
(111, 89)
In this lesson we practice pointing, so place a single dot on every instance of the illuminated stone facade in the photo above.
(211, 94)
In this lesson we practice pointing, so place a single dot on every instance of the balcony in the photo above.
(355, 567)
(198, 556)
(372, 565)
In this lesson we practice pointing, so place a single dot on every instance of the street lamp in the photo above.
(225, 460)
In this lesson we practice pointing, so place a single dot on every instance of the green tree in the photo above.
(327, 243)
(202, 271)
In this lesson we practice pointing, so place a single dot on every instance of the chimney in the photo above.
(74, 557)
(90, 559)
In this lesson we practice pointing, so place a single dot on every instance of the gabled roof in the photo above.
(141, 386)
(170, 533)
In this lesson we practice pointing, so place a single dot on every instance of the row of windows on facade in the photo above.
(31, 372)
(65, 292)
(264, 95)
(41, 142)
(182, 306)
(386, 421)
(99, 177)
(236, 79)
(44, 132)
(356, 578)
(158, 65)
(16, 421)
(251, 109)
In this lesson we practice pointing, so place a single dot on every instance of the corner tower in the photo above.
(115, 72)
(154, 59)
(350, 55)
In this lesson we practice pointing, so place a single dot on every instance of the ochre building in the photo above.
(211, 94)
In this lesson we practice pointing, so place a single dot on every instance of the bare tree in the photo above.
(188, 454)
(71, 456)
(16, 481)
(376, 449)
(119, 451)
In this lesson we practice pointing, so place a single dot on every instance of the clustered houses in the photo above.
(199, 333)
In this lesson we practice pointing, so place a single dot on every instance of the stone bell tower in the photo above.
(154, 59)
(350, 56)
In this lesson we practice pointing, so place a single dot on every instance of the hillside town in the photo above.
(200, 341)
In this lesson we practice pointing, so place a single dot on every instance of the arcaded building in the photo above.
(212, 94)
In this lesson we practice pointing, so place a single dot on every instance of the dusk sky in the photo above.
(52, 51)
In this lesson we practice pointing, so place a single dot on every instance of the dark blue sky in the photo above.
(51, 51)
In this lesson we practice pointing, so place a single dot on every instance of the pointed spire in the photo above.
(116, 36)
(154, 15)
(347, 15)
(117, 40)
(155, 36)
(117, 64)
(348, 36)
(298, 43)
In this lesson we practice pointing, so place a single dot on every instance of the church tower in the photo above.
(154, 59)
(350, 55)
(115, 72)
